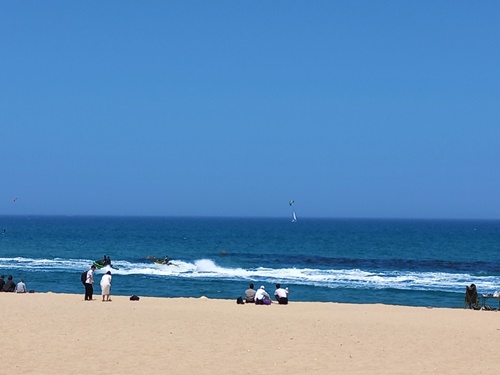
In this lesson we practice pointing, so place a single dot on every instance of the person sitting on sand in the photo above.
(21, 287)
(9, 286)
(281, 295)
(2, 282)
(250, 294)
(106, 286)
(262, 297)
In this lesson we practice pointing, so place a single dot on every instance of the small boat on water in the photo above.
(99, 266)
(100, 263)
(165, 262)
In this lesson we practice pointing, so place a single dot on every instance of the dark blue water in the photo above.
(403, 262)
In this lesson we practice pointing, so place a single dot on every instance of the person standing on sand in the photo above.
(106, 286)
(89, 284)
(250, 294)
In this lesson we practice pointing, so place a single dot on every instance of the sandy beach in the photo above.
(47, 333)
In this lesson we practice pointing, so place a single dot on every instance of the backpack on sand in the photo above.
(84, 277)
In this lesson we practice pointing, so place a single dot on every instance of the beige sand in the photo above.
(50, 333)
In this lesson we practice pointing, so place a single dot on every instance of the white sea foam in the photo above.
(329, 278)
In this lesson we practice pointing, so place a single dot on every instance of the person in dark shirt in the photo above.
(10, 285)
(2, 282)
(250, 294)
(107, 261)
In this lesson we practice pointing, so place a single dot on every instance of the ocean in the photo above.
(396, 262)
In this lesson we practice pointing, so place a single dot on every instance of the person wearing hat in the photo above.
(261, 296)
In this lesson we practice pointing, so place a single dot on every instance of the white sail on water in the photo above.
(294, 217)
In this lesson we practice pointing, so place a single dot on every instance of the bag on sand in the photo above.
(239, 300)
(134, 298)
(84, 277)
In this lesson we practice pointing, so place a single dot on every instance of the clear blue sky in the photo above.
(231, 108)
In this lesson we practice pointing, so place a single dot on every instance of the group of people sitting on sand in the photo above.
(10, 286)
(261, 297)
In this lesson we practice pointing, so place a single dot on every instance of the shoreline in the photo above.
(97, 290)
(61, 333)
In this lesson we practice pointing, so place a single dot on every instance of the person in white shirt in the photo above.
(21, 287)
(106, 286)
(281, 295)
(89, 284)
(262, 297)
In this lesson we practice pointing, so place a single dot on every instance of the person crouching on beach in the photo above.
(262, 297)
(106, 286)
(89, 284)
(281, 295)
